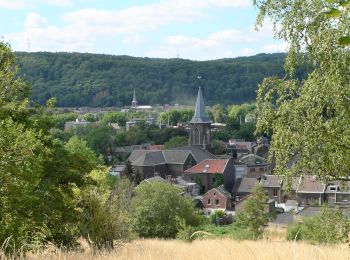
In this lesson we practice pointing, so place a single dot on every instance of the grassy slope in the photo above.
(210, 249)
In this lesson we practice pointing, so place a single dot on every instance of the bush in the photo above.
(330, 227)
(157, 208)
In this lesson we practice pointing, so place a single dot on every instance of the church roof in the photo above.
(199, 114)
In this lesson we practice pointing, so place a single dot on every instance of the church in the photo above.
(198, 149)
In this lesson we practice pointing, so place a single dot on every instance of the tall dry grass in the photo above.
(207, 249)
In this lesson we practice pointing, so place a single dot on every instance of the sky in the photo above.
(188, 29)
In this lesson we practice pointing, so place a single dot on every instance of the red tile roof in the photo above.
(209, 166)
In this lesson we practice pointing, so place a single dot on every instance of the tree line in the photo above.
(94, 80)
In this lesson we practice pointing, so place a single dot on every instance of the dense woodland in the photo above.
(95, 80)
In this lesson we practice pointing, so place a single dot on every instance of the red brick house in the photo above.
(206, 172)
(217, 198)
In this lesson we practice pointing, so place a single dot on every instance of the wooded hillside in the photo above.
(78, 79)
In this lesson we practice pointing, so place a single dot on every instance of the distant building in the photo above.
(136, 107)
(134, 101)
(250, 118)
(117, 170)
(73, 124)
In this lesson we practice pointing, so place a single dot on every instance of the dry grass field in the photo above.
(208, 249)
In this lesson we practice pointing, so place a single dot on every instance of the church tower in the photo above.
(200, 125)
(134, 102)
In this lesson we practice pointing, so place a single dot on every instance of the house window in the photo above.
(261, 169)
(252, 169)
(275, 192)
(214, 193)
(217, 202)
(208, 201)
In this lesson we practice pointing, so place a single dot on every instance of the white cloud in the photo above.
(84, 26)
(231, 3)
(22, 4)
(220, 44)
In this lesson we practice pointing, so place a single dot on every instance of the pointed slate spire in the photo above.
(199, 114)
(134, 98)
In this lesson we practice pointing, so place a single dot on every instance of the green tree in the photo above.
(330, 227)
(157, 209)
(89, 117)
(219, 114)
(106, 210)
(176, 141)
(219, 179)
(255, 215)
(309, 119)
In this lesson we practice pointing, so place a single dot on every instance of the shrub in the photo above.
(330, 227)
(157, 208)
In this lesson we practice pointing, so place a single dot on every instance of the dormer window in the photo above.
(333, 187)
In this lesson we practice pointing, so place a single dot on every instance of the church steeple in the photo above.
(199, 114)
(134, 101)
(200, 125)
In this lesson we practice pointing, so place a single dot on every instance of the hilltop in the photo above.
(97, 80)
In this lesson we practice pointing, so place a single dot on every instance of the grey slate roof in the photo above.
(310, 185)
(252, 160)
(150, 157)
(270, 181)
(222, 190)
(199, 114)
(198, 153)
(245, 185)
(146, 158)
(175, 156)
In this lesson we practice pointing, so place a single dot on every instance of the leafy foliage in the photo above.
(157, 209)
(330, 227)
(254, 216)
(106, 215)
(309, 119)
(78, 79)
(176, 141)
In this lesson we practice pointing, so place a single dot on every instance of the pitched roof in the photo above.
(245, 185)
(270, 181)
(176, 156)
(146, 158)
(310, 185)
(221, 190)
(252, 160)
(199, 114)
(154, 179)
(209, 166)
(150, 157)
(198, 153)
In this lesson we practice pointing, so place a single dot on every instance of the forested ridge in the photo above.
(95, 80)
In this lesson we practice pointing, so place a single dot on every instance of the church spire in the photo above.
(199, 114)
(134, 101)
(134, 98)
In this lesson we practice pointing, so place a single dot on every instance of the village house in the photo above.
(208, 172)
(310, 191)
(271, 184)
(338, 194)
(255, 166)
(217, 199)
